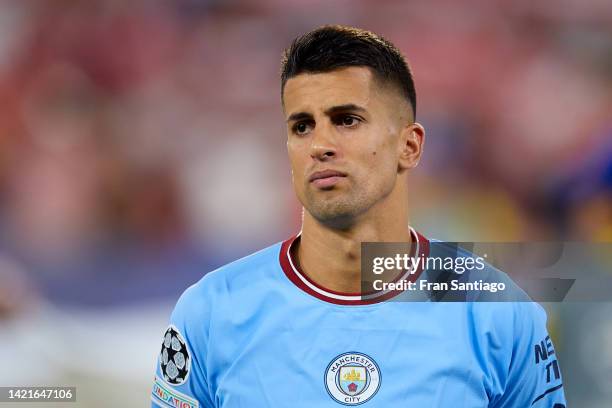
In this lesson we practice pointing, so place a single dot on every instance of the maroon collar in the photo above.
(302, 281)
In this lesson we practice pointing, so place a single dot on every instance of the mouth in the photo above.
(326, 178)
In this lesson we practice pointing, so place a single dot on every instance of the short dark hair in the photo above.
(334, 46)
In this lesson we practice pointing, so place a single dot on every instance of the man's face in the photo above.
(343, 141)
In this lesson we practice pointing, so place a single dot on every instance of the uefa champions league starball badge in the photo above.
(174, 358)
(352, 378)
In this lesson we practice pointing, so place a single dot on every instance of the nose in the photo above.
(323, 145)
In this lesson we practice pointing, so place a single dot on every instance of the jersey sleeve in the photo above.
(180, 375)
(533, 377)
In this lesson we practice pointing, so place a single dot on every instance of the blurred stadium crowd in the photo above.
(142, 142)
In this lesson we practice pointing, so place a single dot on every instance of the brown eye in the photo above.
(349, 121)
(301, 128)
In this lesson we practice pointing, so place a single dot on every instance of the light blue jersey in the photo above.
(258, 333)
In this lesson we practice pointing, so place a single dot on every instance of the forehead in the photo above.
(312, 91)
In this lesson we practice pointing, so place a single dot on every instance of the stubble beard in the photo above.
(340, 209)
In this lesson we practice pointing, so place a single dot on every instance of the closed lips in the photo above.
(325, 174)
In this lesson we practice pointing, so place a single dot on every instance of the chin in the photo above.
(338, 222)
(336, 215)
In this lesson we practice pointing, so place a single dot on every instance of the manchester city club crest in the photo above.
(352, 378)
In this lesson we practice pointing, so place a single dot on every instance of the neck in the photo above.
(332, 257)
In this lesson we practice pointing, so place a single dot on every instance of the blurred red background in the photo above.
(142, 144)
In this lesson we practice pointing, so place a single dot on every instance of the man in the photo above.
(291, 326)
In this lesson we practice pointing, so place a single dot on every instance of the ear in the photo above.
(410, 146)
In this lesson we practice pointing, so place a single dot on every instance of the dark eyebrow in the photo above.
(299, 116)
(349, 107)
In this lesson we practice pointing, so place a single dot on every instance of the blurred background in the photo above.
(142, 145)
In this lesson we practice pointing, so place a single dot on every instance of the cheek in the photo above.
(381, 163)
(380, 156)
(297, 168)
(297, 164)
(294, 157)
